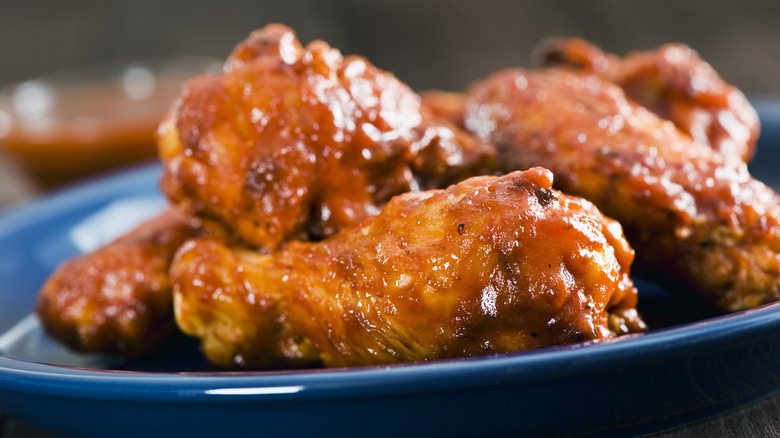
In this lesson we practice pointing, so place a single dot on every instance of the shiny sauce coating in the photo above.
(489, 265)
(297, 143)
(695, 216)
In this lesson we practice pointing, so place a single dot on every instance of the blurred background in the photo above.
(428, 44)
(442, 44)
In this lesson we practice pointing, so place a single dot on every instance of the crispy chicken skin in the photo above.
(492, 264)
(118, 298)
(690, 212)
(297, 143)
(675, 83)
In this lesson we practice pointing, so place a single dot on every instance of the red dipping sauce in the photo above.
(68, 125)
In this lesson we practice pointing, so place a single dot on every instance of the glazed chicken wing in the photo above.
(492, 264)
(675, 83)
(692, 214)
(286, 143)
(118, 298)
(296, 143)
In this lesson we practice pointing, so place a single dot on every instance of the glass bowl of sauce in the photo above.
(71, 124)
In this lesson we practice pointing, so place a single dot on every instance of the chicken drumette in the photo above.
(492, 264)
(693, 214)
(675, 83)
(297, 143)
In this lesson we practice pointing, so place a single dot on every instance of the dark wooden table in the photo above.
(760, 418)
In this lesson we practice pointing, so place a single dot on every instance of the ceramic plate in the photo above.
(690, 365)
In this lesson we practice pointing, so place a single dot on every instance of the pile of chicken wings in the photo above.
(324, 213)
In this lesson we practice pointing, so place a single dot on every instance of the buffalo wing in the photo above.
(294, 143)
(675, 83)
(492, 264)
(694, 215)
(118, 298)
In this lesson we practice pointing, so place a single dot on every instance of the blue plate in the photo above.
(691, 365)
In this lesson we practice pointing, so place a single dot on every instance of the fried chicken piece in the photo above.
(118, 298)
(297, 143)
(675, 83)
(490, 265)
(692, 214)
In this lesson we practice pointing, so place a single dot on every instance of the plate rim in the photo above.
(440, 375)
(542, 364)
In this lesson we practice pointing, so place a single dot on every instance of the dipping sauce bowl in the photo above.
(70, 124)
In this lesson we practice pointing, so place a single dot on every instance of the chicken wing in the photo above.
(492, 264)
(692, 214)
(297, 143)
(118, 298)
(675, 83)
